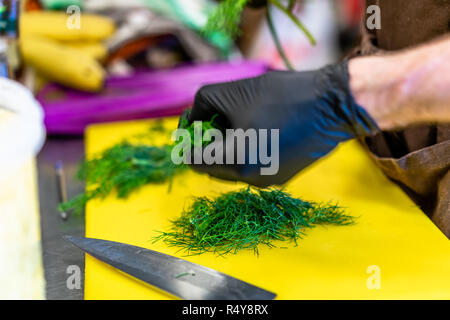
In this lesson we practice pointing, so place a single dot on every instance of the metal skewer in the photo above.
(61, 183)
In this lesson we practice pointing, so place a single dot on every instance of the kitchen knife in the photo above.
(173, 275)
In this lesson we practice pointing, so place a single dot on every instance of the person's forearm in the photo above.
(404, 88)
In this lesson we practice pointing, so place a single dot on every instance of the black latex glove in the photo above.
(314, 112)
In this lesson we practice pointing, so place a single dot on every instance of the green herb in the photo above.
(294, 19)
(190, 273)
(158, 127)
(276, 40)
(205, 126)
(125, 167)
(227, 16)
(247, 219)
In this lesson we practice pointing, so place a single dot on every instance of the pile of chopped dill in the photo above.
(125, 167)
(247, 219)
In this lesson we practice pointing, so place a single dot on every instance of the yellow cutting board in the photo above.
(393, 252)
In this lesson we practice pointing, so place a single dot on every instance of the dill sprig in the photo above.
(226, 18)
(247, 219)
(125, 167)
(205, 126)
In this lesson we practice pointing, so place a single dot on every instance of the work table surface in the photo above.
(330, 263)
(58, 254)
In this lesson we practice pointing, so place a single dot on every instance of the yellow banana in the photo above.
(61, 63)
(96, 50)
(66, 27)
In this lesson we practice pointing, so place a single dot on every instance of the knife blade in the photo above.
(173, 275)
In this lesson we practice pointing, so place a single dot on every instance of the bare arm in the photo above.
(404, 88)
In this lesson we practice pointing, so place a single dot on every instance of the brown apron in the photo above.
(416, 158)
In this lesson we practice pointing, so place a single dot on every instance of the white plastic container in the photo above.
(22, 134)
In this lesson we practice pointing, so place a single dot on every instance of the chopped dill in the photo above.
(205, 126)
(189, 273)
(247, 219)
(125, 167)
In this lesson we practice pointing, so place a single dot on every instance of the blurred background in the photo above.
(91, 61)
(125, 37)
(65, 64)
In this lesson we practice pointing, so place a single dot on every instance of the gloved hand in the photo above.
(314, 111)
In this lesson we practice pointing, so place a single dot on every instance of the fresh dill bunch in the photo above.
(226, 18)
(247, 219)
(124, 167)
